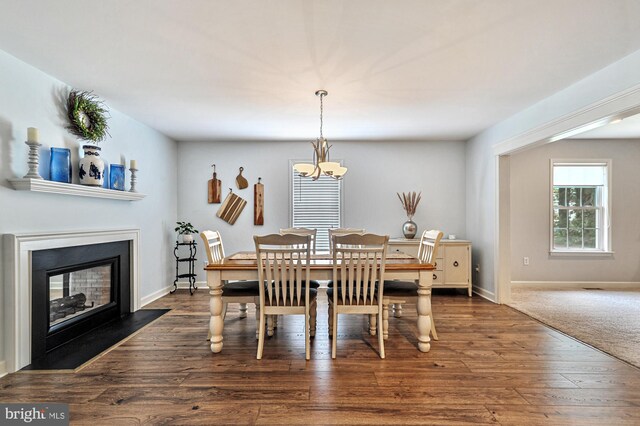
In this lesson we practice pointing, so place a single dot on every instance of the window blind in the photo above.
(316, 204)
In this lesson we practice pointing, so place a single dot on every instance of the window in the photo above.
(316, 204)
(580, 206)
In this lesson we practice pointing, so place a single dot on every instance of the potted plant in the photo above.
(187, 230)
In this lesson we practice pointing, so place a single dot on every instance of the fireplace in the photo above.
(74, 290)
(20, 287)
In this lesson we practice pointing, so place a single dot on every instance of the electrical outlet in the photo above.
(525, 261)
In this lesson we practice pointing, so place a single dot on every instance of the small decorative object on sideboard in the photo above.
(91, 166)
(116, 177)
(133, 168)
(34, 155)
(410, 204)
(60, 165)
(187, 230)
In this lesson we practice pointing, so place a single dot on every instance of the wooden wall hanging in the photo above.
(214, 187)
(231, 208)
(241, 181)
(258, 203)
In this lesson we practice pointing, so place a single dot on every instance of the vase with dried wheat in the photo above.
(410, 204)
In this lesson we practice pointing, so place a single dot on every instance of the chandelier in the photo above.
(321, 164)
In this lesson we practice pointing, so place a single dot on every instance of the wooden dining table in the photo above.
(244, 266)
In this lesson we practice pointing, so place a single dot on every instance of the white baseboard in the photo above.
(185, 284)
(485, 294)
(577, 284)
(3, 369)
(155, 295)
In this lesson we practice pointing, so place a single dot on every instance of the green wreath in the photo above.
(87, 116)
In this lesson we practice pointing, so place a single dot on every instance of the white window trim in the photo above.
(290, 174)
(608, 249)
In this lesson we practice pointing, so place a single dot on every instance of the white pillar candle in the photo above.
(32, 134)
(133, 164)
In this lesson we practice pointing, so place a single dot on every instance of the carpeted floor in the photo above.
(606, 319)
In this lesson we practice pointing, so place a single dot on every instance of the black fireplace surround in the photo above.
(59, 261)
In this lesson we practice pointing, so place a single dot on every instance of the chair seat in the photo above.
(241, 285)
(400, 288)
(241, 288)
(313, 293)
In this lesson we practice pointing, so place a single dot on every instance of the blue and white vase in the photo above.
(91, 166)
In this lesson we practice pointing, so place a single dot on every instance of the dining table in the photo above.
(244, 266)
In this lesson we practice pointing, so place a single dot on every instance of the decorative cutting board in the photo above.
(214, 187)
(241, 181)
(258, 203)
(231, 208)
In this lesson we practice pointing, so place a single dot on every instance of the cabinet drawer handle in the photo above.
(455, 263)
(435, 264)
(435, 277)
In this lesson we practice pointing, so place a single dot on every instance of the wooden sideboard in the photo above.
(453, 261)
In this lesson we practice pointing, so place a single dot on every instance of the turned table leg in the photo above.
(216, 323)
(423, 307)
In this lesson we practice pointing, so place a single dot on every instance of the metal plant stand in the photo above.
(190, 261)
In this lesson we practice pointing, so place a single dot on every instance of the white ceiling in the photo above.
(423, 69)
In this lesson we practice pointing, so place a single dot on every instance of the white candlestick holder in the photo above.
(34, 160)
(134, 179)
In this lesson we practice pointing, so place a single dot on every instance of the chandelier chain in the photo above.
(321, 113)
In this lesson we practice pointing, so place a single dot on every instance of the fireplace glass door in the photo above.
(76, 293)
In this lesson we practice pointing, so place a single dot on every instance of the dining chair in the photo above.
(358, 270)
(398, 292)
(342, 231)
(241, 292)
(283, 271)
(303, 231)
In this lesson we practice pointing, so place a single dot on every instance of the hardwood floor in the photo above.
(492, 365)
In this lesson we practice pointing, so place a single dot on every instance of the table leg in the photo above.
(423, 307)
(216, 323)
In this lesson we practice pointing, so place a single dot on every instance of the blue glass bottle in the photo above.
(60, 165)
(116, 175)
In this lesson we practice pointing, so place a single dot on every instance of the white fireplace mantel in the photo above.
(17, 291)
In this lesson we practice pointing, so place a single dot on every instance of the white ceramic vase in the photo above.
(91, 170)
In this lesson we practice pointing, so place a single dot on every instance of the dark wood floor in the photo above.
(491, 365)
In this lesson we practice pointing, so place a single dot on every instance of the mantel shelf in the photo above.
(41, 185)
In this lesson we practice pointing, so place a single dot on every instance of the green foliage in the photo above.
(87, 116)
(185, 228)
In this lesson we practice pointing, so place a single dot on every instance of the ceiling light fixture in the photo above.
(321, 163)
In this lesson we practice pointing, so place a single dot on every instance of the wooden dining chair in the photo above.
(283, 271)
(342, 231)
(303, 231)
(358, 268)
(241, 292)
(398, 292)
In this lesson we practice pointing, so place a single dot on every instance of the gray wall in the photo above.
(613, 89)
(377, 171)
(530, 188)
(30, 98)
